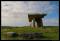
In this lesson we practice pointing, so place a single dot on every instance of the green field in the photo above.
(50, 32)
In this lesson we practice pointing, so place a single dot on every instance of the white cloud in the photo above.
(41, 6)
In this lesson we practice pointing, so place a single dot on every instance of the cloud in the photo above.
(28, 6)
(37, 6)
(41, 7)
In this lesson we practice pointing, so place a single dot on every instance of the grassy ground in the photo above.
(51, 32)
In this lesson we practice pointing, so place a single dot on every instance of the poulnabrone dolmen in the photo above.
(36, 18)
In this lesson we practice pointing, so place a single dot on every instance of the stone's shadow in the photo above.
(35, 35)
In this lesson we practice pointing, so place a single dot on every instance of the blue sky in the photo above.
(15, 13)
(54, 13)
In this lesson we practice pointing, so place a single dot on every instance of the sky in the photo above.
(15, 13)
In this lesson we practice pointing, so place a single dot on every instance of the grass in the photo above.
(51, 32)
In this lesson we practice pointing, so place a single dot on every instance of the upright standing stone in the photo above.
(33, 22)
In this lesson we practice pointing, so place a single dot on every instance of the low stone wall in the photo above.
(34, 35)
